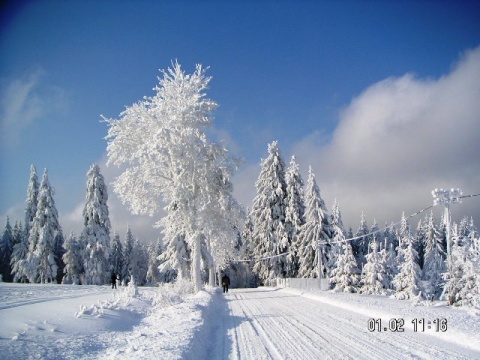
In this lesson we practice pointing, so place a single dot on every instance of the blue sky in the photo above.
(352, 88)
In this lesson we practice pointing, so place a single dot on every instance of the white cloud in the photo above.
(398, 140)
(26, 100)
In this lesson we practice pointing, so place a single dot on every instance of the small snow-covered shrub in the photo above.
(170, 294)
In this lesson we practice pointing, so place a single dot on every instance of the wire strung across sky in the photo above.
(353, 238)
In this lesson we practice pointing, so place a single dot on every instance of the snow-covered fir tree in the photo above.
(32, 200)
(374, 279)
(419, 241)
(96, 231)
(128, 256)
(41, 262)
(59, 251)
(463, 280)
(268, 217)
(404, 238)
(407, 281)
(116, 259)
(170, 160)
(19, 261)
(469, 292)
(316, 229)
(434, 263)
(390, 236)
(294, 215)
(360, 245)
(139, 263)
(390, 262)
(248, 254)
(73, 260)
(6, 249)
(19, 254)
(153, 271)
(346, 274)
(338, 237)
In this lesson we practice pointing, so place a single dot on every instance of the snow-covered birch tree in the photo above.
(168, 159)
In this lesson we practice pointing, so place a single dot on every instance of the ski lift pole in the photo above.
(447, 197)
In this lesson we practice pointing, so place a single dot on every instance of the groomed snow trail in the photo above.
(268, 323)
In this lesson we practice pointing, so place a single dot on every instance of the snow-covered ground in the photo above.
(96, 322)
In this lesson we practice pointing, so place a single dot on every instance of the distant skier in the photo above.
(225, 283)
(114, 280)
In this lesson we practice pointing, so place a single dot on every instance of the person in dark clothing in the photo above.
(225, 283)
(114, 280)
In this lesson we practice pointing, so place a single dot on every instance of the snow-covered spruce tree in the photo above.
(338, 238)
(346, 274)
(404, 237)
(169, 159)
(6, 249)
(316, 228)
(360, 245)
(73, 261)
(41, 263)
(268, 217)
(419, 241)
(434, 262)
(390, 262)
(407, 281)
(32, 200)
(96, 231)
(116, 259)
(469, 292)
(294, 215)
(374, 278)
(248, 254)
(389, 235)
(20, 251)
(153, 272)
(463, 280)
(139, 263)
(128, 255)
(19, 254)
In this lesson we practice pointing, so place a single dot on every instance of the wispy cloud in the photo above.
(25, 100)
(398, 140)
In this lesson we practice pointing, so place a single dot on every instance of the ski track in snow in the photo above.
(275, 324)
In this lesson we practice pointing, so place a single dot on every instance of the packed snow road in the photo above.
(268, 323)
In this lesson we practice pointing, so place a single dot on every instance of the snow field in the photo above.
(96, 322)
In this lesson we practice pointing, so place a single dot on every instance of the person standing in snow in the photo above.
(225, 283)
(114, 280)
